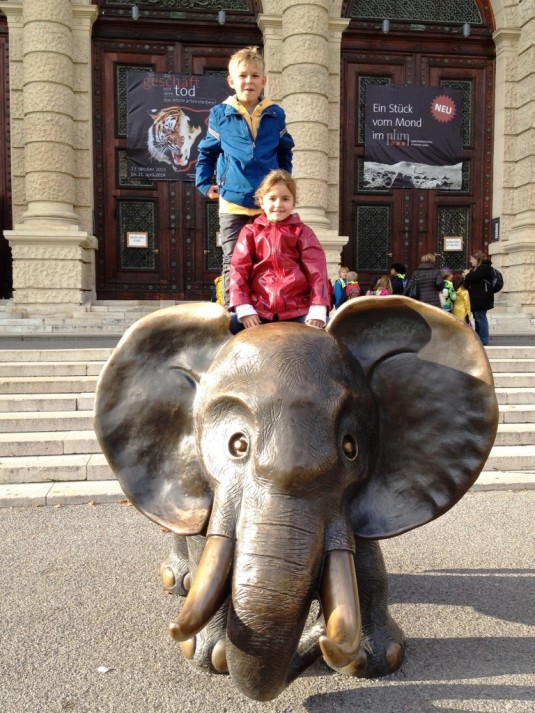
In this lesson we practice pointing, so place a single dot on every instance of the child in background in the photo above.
(340, 287)
(278, 270)
(382, 287)
(246, 139)
(461, 306)
(448, 295)
(398, 277)
(352, 287)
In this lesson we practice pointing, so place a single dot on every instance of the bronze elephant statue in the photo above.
(279, 456)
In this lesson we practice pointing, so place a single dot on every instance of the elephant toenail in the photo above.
(394, 655)
(219, 657)
(188, 648)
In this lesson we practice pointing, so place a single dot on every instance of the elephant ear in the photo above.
(437, 410)
(143, 412)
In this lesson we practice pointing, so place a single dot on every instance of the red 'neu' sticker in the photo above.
(443, 108)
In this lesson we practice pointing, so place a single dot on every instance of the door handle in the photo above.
(156, 252)
(206, 252)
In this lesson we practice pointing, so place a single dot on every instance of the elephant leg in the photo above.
(382, 638)
(175, 570)
(205, 650)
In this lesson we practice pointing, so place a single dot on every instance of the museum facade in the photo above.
(68, 202)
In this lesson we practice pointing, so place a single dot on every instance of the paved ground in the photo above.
(80, 590)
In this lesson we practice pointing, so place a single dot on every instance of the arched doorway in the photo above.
(421, 44)
(181, 258)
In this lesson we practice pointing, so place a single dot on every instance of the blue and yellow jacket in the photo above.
(242, 149)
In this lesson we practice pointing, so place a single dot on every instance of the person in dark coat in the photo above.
(398, 277)
(478, 282)
(429, 279)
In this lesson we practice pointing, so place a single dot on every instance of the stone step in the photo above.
(10, 403)
(48, 443)
(50, 369)
(516, 413)
(514, 380)
(520, 458)
(47, 385)
(515, 396)
(40, 469)
(46, 421)
(510, 352)
(510, 365)
(97, 354)
(515, 434)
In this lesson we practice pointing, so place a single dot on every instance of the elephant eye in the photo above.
(349, 446)
(238, 445)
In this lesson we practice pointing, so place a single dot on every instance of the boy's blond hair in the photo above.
(274, 177)
(250, 55)
(352, 276)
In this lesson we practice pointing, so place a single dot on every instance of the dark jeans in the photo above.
(482, 325)
(236, 326)
(229, 228)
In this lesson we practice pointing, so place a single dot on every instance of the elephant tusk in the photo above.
(208, 590)
(341, 610)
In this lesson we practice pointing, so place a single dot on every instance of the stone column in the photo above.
(53, 258)
(514, 159)
(302, 50)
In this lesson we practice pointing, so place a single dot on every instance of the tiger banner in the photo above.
(413, 137)
(167, 116)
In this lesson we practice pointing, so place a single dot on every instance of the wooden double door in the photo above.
(181, 258)
(401, 225)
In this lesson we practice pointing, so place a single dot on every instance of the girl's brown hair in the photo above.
(428, 257)
(274, 177)
(479, 256)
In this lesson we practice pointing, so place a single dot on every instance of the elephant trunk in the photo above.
(277, 566)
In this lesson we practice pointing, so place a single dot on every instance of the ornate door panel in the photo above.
(403, 224)
(6, 278)
(181, 258)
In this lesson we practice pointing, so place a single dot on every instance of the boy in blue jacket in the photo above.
(246, 139)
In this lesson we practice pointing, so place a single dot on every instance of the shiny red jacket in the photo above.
(279, 269)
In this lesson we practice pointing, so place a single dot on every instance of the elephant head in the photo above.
(281, 445)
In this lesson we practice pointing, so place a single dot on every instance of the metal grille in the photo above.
(120, 93)
(418, 10)
(184, 4)
(466, 87)
(454, 221)
(122, 174)
(214, 254)
(371, 225)
(137, 216)
(365, 82)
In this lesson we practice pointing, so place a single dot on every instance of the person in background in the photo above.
(352, 288)
(448, 292)
(478, 283)
(383, 287)
(246, 139)
(461, 306)
(429, 279)
(339, 291)
(398, 277)
(278, 270)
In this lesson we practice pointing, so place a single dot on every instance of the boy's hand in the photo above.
(213, 192)
(315, 323)
(252, 320)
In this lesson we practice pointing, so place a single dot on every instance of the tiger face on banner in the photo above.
(167, 114)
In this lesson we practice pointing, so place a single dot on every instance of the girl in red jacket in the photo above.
(278, 270)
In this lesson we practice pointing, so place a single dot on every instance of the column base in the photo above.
(52, 265)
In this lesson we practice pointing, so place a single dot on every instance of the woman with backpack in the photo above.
(478, 282)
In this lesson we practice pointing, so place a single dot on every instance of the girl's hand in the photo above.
(252, 320)
(213, 192)
(317, 323)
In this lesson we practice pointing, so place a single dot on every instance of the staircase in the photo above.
(49, 453)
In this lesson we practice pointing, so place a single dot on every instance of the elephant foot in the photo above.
(385, 650)
(207, 650)
(175, 570)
